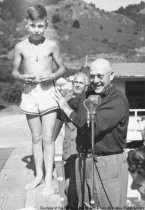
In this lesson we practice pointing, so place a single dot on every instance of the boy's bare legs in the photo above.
(48, 123)
(35, 125)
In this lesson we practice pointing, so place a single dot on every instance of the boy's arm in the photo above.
(16, 66)
(59, 63)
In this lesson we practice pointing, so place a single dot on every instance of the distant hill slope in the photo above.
(136, 12)
(81, 29)
(18, 7)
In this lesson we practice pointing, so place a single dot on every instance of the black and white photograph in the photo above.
(72, 104)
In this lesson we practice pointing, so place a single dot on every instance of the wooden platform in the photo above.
(19, 170)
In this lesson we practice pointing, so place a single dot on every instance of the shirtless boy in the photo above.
(37, 55)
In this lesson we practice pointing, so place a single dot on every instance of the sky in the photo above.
(111, 5)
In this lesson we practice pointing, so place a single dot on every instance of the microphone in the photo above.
(91, 104)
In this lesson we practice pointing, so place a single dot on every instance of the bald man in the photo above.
(110, 131)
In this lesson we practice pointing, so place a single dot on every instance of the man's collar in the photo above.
(109, 89)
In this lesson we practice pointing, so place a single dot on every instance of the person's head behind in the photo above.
(136, 166)
(80, 83)
(101, 75)
(36, 21)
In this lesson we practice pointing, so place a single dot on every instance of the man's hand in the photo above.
(60, 99)
(62, 102)
(95, 99)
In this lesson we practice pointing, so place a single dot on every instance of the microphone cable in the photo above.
(88, 107)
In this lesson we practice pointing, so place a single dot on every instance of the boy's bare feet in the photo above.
(34, 183)
(48, 189)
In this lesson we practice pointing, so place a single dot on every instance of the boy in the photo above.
(37, 55)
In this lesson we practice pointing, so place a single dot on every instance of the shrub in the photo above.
(65, 21)
(11, 93)
(135, 33)
(5, 74)
(2, 106)
(119, 30)
(105, 40)
(113, 45)
(56, 27)
(10, 90)
(68, 6)
(3, 51)
(5, 42)
(92, 5)
(56, 18)
(95, 39)
(76, 24)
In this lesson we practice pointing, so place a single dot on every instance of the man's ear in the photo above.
(86, 88)
(26, 23)
(47, 23)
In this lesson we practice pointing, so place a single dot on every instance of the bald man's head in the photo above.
(101, 64)
(101, 75)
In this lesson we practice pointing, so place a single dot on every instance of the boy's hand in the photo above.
(46, 79)
(36, 80)
(29, 79)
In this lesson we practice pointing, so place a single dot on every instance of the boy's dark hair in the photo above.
(36, 12)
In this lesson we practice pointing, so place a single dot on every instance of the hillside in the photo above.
(18, 7)
(83, 29)
(136, 12)
(80, 29)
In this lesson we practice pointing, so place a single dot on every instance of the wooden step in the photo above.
(16, 173)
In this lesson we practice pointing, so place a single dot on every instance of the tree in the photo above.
(56, 18)
(76, 24)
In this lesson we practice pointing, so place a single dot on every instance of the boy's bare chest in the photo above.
(37, 53)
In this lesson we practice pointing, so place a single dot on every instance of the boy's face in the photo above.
(36, 28)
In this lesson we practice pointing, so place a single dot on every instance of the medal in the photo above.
(36, 58)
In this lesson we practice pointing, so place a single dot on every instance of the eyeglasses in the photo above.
(99, 76)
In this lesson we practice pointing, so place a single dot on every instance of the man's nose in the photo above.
(96, 79)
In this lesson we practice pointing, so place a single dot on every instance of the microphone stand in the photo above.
(90, 120)
(92, 115)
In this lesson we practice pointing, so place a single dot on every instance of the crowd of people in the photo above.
(96, 175)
